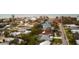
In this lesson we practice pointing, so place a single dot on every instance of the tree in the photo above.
(29, 39)
(36, 29)
(6, 33)
(33, 40)
(69, 20)
(77, 22)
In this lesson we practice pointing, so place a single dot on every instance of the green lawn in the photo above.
(56, 41)
(70, 36)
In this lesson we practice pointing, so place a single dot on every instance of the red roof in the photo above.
(46, 32)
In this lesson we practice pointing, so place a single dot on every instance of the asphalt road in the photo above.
(63, 34)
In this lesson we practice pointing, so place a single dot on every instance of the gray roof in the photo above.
(74, 28)
(45, 37)
(46, 24)
(45, 43)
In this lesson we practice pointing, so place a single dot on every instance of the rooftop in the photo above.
(45, 43)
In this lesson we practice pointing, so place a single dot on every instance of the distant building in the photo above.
(13, 16)
(27, 31)
(77, 18)
(2, 26)
(15, 33)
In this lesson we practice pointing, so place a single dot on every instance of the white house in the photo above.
(77, 41)
(20, 40)
(71, 25)
(21, 29)
(45, 43)
(7, 26)
(15, 33)
(8, 39)
(26, 32)
(33, 18)
(74, 29)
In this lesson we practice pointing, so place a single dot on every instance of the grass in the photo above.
(70, 36)
(56, 41)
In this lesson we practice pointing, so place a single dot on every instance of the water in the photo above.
(25, 15)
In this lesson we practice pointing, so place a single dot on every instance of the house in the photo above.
(7, 26)
(2, 26)
(77, 42)
(71, 25)
(28, 25)
(15, 33)
(45, 43)
(8, 39)
(76, 36)
(46, 25)
(27, 31)
(4, 43)
(74, 29)
(33, 18)
(46, 33)
(21, 29)
(77, 18)
(45, 37)
(18, 40)
(1, 38)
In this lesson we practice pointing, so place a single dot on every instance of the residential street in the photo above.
(64, 37)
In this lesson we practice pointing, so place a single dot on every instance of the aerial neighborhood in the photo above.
(42, 30)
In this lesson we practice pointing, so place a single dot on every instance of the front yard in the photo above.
(56, 42)
(70, 36)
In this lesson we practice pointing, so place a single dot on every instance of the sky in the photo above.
(25, 15)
